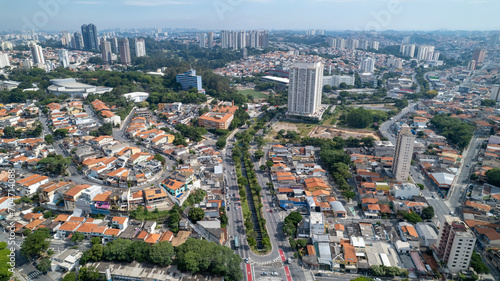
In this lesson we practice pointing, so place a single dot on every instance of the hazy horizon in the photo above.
(332, 15)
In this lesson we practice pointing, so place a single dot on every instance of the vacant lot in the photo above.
(302, 128)
(328, 132)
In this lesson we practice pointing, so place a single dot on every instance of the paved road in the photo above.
(385, 127)
(461, 181)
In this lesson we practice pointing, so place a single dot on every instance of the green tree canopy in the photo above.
(196, 214)
(493, 176)
(161, 253)
(35, 243)
(359, 118)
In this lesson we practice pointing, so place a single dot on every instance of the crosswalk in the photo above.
(34, 275)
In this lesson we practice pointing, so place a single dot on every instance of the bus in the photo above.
(236, 243)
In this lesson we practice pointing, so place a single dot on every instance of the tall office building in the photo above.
(495, 93)
(37, 55)
(89, 34)
(66, 39)
(237, 40)
(407, 50)
(352, 44)
(114, 45)
(107, 53)
(368, 65)
(6, 45)
(4, 60)
(375, 45)
(340, 44)
(189, 80)
(202, 40)
(403, 154)
(77, 41)
(471, 66)
(63, 58)
(455, 244)
(479, 56)
(305, 88)
(423, 50)
(140, 47)
(210, 39)
(124, 47)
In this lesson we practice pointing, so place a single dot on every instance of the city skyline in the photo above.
(404, 15)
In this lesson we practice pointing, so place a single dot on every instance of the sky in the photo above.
(56, 15)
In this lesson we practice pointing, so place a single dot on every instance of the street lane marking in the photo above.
(287, 273)
(249, 272)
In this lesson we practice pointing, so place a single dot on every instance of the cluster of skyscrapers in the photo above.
(238, 40)
(424, 52)
(352, 44)
(206, 40)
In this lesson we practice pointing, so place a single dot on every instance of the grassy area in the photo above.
(303, 128)
(255, 94)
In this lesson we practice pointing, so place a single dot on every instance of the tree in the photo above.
(362, 278)
(117, 250)
(269, 163)
(493, 176)
(400, 104)
(488, 103)
(139, 251)
(431, 94)
(161, 253)
(104, 130)
(55, 164)
(196, 214)
(5, 273)
(258, 154)
(203, 256)
(9, 132)
(474, 177)
(428, 212)
(262, 167)
(44, 265)
(160, 158)
(477, 263)
(36, 243)
(359, 118)
(89, 274)
(61, 133)
(221, 142)
(77, 237)
(412, 217)
(70, 276)
(49, 139)
(95, 240)
(290, 223)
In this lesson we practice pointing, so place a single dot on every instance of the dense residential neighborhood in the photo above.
(249, 155)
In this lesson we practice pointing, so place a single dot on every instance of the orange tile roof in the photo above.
(142, 235)
(69, 226)
(311, 250)
(152, 238)
(167, 236)
(61, 217)
(477, 205)
(349, 253)
(112, 232)
(102, 196)
(76, 189)
(32, 225)
(77, 219)
(119, 220)
(98, 229)
(86, 227)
